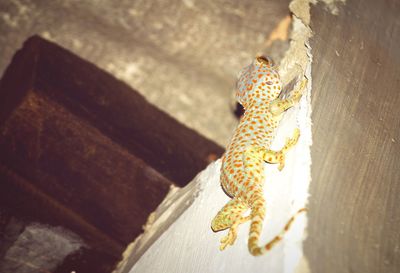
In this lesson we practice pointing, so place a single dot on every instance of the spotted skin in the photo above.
(242, 175)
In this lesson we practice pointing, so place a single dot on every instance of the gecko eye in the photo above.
(269, 82)
(264, 60)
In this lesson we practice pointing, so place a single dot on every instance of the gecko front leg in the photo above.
(271, 156)
(278, 106)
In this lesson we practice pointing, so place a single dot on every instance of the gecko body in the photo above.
(242, 170)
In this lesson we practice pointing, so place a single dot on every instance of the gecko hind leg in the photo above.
(271, 156)
(230, 216)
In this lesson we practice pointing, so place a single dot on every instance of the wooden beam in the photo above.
(82, 150)
(354, 212)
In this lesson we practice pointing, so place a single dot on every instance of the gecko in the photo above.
(242, 171)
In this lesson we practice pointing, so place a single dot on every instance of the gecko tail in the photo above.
(255, 230)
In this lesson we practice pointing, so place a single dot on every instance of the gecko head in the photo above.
(217, 224)
(258, 82)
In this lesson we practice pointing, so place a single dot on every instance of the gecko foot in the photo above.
(298, 93)
(290, 142)
(228, 239)
(232, 233)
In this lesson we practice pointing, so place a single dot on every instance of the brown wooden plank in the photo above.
(100, 252)
(81, 149)
(355, 193)
(174, 150)
(68, 160)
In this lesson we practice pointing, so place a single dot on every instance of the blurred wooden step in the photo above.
(82, 150)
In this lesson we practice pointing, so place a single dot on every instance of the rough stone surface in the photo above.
(182, 56)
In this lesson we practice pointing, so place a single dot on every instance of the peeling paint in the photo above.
(295, 65)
